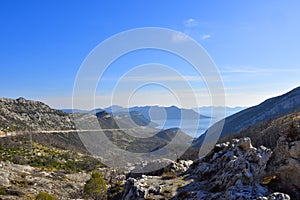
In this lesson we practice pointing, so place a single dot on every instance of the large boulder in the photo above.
(159, 167)
(232, 170)
(285, 165)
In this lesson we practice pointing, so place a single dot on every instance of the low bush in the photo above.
(95, 187)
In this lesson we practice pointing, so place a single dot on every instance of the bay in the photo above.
(188, 126)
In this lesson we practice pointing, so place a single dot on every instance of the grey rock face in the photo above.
(4, 181)
(245, 144)
(164, 166)
(21, 115)
(233, 170)
(132, 190)
(151, 187)
(285, 165)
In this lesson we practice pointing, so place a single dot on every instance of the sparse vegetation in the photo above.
(116, 191)
(40, 156)
(2, 191)
(95, 188)
(268, 133)
(44, 196)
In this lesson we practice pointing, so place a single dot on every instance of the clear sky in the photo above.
(255, 45)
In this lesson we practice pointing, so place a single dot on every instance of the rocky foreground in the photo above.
(25, 182)
(233, 170)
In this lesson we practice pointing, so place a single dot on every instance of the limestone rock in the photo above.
(232, 170)
(285, 166)
(162, 166)
(245, 144)
(22, 114)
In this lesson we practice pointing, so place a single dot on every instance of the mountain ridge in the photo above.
(28, 115)
(268, 109)
(174, 111)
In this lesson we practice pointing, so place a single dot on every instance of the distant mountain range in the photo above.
(160, 112)
(269, 109)
(21, 114)
(168, 113)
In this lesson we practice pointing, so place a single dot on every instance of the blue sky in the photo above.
(255, 45)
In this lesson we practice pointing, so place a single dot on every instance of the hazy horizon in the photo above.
(156, 106)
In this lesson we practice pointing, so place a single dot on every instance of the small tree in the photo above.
(95, 187)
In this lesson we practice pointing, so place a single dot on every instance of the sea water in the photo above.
(188, 126)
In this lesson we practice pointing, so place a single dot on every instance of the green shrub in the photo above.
(2, 191)
(44, 196)
(95, 188)
(116, 191)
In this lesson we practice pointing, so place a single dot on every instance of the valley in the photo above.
(59, 156)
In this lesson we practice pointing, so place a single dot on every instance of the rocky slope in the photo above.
(233, 170)
(269, 109)
(28, 168)
(34, 118)
(25, 115)
(284, 166)
(267, 133)
(282, 136)
(25, 182)
(126, 134)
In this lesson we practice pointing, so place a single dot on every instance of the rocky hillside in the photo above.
(128, 135)
(269, 109)
(33, 118)
(28, 168)
(268, 133)
(233, 170)
(25, 115)
(282, 136)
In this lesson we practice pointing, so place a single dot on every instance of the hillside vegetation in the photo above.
(267, 133)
